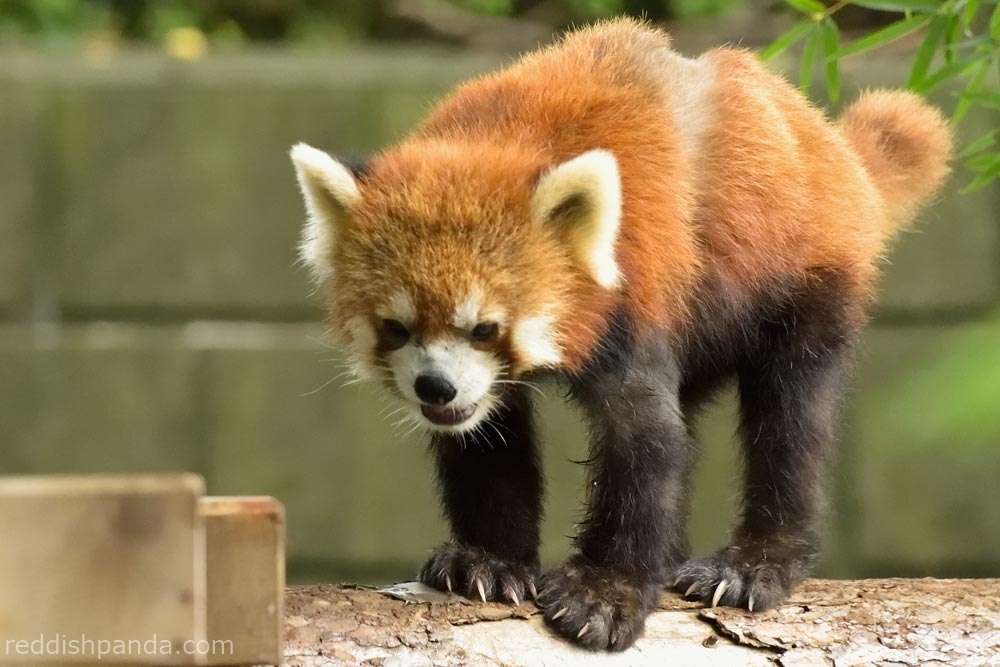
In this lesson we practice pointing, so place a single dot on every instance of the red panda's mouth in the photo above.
(446, 415)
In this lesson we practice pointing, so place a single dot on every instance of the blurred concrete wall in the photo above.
(154, 320)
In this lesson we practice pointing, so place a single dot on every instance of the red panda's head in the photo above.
(451, 270)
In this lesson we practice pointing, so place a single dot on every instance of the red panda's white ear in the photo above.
(583, 198)
(330, 192)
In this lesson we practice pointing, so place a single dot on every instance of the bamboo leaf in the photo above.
(807, 6)
(988, 140)
(983, 162)
(948, 71)
(976, 82)
(831, 44)
(888, 34)
(898, 5)
(786, 40)
(936, 32)
(951, 38)
(809, 53)
(985, 177)
(972, 43)
(969, 13)
(988, 100)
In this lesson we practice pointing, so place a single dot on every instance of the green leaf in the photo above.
(988, 140)
(951, 38)
(925, 54)
(809, 53)
(786, 40)
(981, 162)
(972, 42)
(831, 44)
(985, 177)
(947, 72)
(995, 23)
(898, 5)
(975, 85)
(888, 34)
(969, 13)
(807, 6)
(988, 100)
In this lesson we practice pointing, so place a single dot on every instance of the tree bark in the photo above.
(885, 622)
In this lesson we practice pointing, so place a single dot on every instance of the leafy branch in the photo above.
(961, 43)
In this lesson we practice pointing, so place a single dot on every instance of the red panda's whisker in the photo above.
(525, 384)
(321, 387)
(320, 341)
(499, 434)
(413, 429)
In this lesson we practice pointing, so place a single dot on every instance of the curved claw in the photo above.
(691, 589)
(559, 614)
(532, 590)
(513, 596)
(723, 585)
(583, 630)
(447, 582)
(750, 603)
(482, 591)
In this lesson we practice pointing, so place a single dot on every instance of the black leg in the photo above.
(790, 390)
(633, 534)
(491, 490)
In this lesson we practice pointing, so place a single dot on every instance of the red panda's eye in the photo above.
(485, 332)
(394, 333)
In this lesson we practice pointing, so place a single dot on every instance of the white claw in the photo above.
(691, 589)
(447, 582)
(750, 603)
(513, 596)
(559, 614)
(583, 630)
(482, 591)
(533, 590)
(723, 585)
(677, 581)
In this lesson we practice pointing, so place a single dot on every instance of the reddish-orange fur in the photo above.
(774, 192)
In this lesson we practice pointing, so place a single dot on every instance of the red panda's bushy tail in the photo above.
(905, 144)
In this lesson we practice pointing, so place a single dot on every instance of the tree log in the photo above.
(885, 622)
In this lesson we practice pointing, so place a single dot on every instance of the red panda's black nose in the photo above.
(433, 388)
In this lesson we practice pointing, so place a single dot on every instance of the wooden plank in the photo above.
(115, 564)
(245, 547)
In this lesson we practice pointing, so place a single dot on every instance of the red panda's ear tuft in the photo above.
(330, 192)
(582, 198)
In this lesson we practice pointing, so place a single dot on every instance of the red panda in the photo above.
(645, 228)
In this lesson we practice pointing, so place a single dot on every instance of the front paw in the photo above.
(595, 607)
(755, 575)
(476, 573)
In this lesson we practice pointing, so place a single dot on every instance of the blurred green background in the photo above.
(154, 318)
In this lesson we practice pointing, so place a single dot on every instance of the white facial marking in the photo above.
(535, 339)
(360, 345)
(471, 371)
(592, 226)
(399, 307)
(467, 312)
(470, 312)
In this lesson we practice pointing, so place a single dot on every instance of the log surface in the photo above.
(886, 622)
